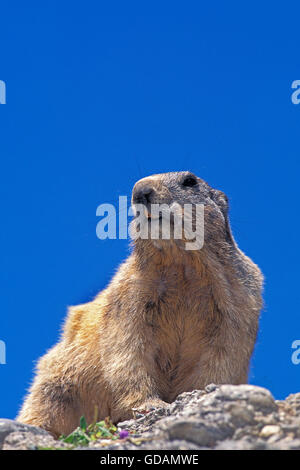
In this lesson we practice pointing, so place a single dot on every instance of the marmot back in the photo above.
(171, 320)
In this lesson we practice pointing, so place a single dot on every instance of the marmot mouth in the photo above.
(149, 217)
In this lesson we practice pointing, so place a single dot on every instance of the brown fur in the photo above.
(170, 321)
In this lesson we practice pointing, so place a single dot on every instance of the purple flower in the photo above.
(123, 434)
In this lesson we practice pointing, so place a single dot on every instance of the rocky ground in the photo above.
(224, 417)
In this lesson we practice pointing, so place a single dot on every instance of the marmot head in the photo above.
(181, 191)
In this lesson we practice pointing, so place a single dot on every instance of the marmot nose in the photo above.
(143, 195)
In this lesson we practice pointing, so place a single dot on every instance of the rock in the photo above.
(221, 417)
(269, 430)
(18, 436)
(211, 388)
(241, 415)
(196, 431)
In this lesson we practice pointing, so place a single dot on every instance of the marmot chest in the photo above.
(174, 313)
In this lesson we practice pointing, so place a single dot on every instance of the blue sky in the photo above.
(102, 94)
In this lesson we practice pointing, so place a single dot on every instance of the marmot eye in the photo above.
(189, 182)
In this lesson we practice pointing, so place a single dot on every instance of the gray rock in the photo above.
(196, 431)
(221, 417)
(8, 426)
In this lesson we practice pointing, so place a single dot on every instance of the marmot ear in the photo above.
(219, 198)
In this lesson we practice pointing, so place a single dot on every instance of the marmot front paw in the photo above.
(149, 405)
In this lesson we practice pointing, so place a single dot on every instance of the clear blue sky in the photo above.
(100, 94)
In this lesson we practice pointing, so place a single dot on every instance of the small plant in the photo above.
(85, 434)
